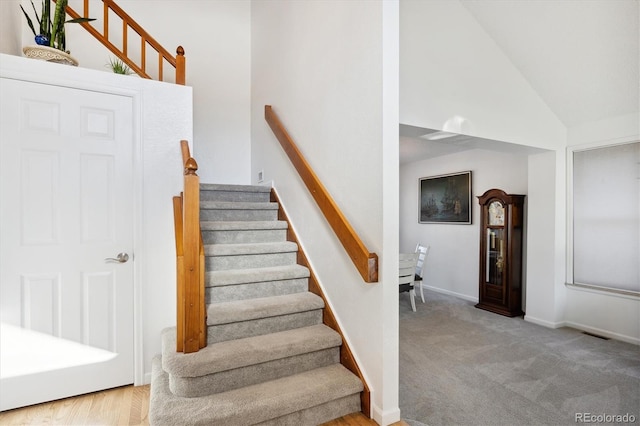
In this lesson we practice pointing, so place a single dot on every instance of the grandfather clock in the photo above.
(501, 252)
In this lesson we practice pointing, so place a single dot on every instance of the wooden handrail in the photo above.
(178, 62)
(365, 262)
(191, 330)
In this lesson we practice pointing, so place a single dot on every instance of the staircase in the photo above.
(269, 359)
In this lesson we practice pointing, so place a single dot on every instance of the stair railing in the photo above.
(178, 62)
(191, 330)
(364, 261)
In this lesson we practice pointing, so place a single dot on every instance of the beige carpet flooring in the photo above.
(464, 366)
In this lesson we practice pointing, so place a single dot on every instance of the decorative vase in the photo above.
(49, 54)
(42, 40)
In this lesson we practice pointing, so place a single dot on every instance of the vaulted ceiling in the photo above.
(582, 57)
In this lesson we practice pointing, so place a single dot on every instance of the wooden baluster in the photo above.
(143, 54)
(192, 257)
(125, 34)
(160, 68)
(105, 15)
(86, 8)
(180, 66)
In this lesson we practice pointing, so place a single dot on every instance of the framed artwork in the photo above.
(445, 199)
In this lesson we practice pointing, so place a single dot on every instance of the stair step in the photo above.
(243, 352)
(216, 192)
(232, 364)
(246, 310)
(245, 249)
(261, 326)
(238, 211)
(220, 257)
(255, 290)
(255, 225)
(312, 397)
(242, 284)
(239, 232)
(256, 317)
(254, 275)
(237, 205)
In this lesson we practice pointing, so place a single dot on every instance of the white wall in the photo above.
(545, 262)
(10, 23)
(162, 116)
(452, 266)
(323, 68)
(451, 67)
(216, 36)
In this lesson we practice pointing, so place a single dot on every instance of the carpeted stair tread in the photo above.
(254, 275)
(234, 188)
(249, 249)
(245, 310)
(252, 404)
(236, 205)
(239, 353)
(243, 225)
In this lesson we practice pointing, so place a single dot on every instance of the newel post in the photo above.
(191, 235)
(181, 71)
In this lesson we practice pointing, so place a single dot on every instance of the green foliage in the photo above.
(119, 67)
(29, 22)
(53, 31)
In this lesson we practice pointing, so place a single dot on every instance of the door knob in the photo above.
(122, 258)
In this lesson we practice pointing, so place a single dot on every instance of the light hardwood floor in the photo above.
(127, 405)
(123, 406)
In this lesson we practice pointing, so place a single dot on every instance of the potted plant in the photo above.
(51, 33)
(119, 67)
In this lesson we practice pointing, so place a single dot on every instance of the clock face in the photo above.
(496, 214)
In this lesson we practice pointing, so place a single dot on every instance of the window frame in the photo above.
(569, 280)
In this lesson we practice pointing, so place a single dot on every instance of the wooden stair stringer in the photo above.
(328, 318)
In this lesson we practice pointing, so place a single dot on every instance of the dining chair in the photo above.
(422, 252)
(406, 274)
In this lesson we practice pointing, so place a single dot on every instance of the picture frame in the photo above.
(445, 199)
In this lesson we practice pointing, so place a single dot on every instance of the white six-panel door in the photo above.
(65, 208)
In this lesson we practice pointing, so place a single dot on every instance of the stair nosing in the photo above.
(238, 205)
(243, 225)
(235, 188)
(242, 249)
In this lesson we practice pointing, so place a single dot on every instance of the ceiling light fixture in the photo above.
(438, 135)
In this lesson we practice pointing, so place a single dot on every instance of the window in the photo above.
(606, 217)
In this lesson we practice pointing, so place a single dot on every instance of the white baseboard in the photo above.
(147, 378)
(452, 293)
(384, 418)
(583, 327)
(544, 323)
(604, 333)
